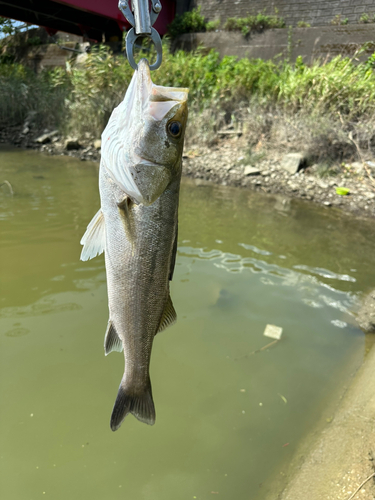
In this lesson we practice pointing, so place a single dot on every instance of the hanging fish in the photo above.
(136, 227)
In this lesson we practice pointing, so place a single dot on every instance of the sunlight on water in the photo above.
(229, 415)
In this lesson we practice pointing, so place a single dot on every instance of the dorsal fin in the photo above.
(169, 316)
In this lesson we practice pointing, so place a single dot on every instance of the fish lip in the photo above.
(158, 93)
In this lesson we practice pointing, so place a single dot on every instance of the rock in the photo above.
(357, 167)
(97, 144)
(293, 186)
(71, 144)
(322, 185)
(43, 139)
(327, 203)
(248, 170)
(292, 162)
(366, 314)
(26, 130)
(370, 196)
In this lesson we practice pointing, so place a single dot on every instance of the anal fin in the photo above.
(93, 240)
(169, 316)
(112, 341)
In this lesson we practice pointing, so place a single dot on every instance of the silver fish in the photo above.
(136, 227)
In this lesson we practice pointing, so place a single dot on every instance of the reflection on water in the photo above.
(229, 414)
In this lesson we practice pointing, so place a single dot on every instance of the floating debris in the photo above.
(283, 398)
(273, 332)
(7, 183)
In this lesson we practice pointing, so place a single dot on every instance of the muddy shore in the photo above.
(337, 461)
(227, 163)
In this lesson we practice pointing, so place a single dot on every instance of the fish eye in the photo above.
(174, 129)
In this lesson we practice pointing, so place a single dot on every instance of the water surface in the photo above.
(229, 415)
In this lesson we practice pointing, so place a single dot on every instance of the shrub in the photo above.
(213, 25)
(365, 19)
(188, 22)
(338, 21)
(303, 24)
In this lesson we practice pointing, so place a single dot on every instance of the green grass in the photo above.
(81, 99)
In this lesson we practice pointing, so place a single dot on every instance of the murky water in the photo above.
(229, 415)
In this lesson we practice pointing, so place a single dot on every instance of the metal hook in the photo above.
(132, 36)
(142, 21)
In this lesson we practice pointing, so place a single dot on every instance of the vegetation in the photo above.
(326, 100)
(188, 22)
(339, 21)
(303, 24)
(259, 22)
(213, 25)
(365, 19)
(194, 22)
(7, 26)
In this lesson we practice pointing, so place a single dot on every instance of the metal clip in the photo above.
(142, 20)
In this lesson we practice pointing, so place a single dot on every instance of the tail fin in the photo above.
(141, 405)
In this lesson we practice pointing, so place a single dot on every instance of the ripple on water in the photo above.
(325, 273)
(306, 282)
(45, 306)
(17, 332)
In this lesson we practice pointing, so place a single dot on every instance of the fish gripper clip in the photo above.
(141, 20)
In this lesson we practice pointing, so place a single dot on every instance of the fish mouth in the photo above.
(157, 93)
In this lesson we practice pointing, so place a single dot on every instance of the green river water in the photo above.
(228, 421)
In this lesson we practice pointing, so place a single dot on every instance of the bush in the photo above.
(213, 25)
(339, 21)
(365, 19)
(188, 22)
(303, 24)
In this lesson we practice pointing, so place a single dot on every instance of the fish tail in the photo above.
(140, 404)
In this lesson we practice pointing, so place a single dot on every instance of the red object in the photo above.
(110, 10)
(96, 19)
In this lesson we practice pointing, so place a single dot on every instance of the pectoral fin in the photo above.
(93, 240)
(169, 316)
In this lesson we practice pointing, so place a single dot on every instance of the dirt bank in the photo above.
(342, 456)
(227, 162)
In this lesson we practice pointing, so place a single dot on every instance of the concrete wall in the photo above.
(315, 12)
(310, 43)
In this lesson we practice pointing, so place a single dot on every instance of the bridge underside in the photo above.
(56, 16)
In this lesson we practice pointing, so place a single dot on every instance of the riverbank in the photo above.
(228, 162)
(337, 461)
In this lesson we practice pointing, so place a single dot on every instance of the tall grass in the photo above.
(23, 93)
(81, 98)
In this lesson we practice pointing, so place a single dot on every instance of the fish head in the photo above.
(159, 136)
(149, 129)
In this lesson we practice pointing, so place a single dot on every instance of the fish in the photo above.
(136, 227)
